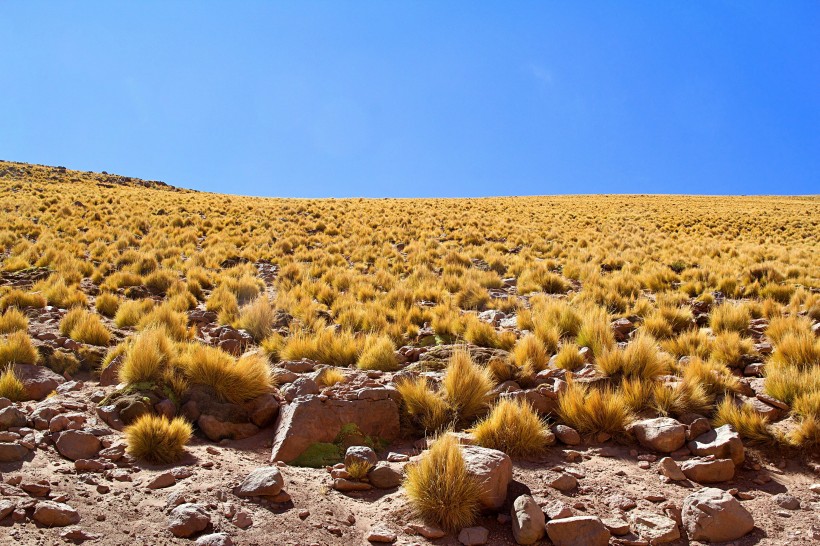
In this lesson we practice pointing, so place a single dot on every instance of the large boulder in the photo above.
(77, 444)
(55, 514)
(723, 443)
(708, 471)
(654, 528)
(187, 519)
(38, 381)
(578, 531)
(493, 470)
(527, 520)
(11, 417)
(663, 434)
(712, 515)
(10, 452)
(314, 419)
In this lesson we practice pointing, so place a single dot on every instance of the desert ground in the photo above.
(180, 367)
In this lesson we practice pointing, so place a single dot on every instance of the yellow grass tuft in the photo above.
(107, 304)
(514, 428)
(591, 411)
(131, 312)
(729, 318)
(233, 380)
(440, 489)
(147, 356)
(426, 407)
(569, 358)
(10, 386)
(751, 425)
(378, 354)
(17, 348)
(466, 386)
(258, 318)
(156, 439)
(640, 358)
(21, 300)
(12, 321)
(530, 351)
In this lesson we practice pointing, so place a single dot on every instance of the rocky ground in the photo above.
(66, 478)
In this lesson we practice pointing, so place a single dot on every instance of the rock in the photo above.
(161, 481)
(789, 502)
(669, 468)
(557, 510)
(567, 435)
(187, 519)
(617, 525)
(493, 469)
(264, 481)
(55, 514)
(561, 480)
(473, 536)
(663, 434)
(709, 471)
(303, 386)
(77, 444)
(214, 539)
(578, 531)
(6, 508)
(78, 535)
(654, 528)
(430, 532)
(527, 520)
(263, 410)
(110, 375)
(10, 453)
(89, 465)
(723, 443)
(381, 535)
(362, 455)
(311, 419)
(383, 476)
(166, 407)
(344, 485)
(38, 381)
(11, 417)
(217, 430)
(713, 515)
(242, 519)
(111, 416)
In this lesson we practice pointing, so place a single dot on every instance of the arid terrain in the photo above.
(179, 367)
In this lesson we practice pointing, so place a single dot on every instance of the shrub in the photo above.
(59, 294)
(12, 321)
(440, 489)
(425, 406)
(715, 378)
(728, 348)
(17, 348)
(729, 318)
(595, 332)
(472, 296)
(233, 380)
(146, 357)
(569, 357)
(466, 386)
(530, 351)
(799, 350)
(63, 362)
(806, 434)
(682, 398)
(258, 318)
(689, 343)
(514, 428)
(10, 386)
(593, 411)
(156, 439)
(21, 300)
(639, 359)
(107, 304)
(329, 347)
(744, 419)
(160, 280)
(85, 327)
(379, 354)
(174, 323)
(481, 333)
(131, 312)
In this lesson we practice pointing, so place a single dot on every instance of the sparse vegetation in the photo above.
(513, 427)
(156, 439)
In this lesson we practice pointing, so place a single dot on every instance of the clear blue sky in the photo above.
(385, 98)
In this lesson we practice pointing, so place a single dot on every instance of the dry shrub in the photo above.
(715, 378)
(329, 347)
(20, 299)
(530, 351)
(233, 380)
(330, 376)
(156, 439)
(689, 343)
(640, 359)
(466, 386)
(798, 350)
(258, 318)
(174, 323)
(595, 332)
(85, 327)
(569, 357)
(107, 304)
(131, 312)
(513, 427)
(729, 318)
(728, 348)
(12, 321)
(147, 356)
(751, 425)
(440, 489)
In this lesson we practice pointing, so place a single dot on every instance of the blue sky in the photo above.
(404, 99)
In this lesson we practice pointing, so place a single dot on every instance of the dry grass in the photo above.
(147, 357)
(327, 346)
(107, 304)
(131, 312)
(530, 352)
(234, 380)
(258, 318)
(13, 321)
(10, 386)
(751, 425)
(729, 318)
(466, 387)
(156, 439)
(640, 359)
(426, 407)
(21, 300)
(440, 489)
(591, 411)
(513, 427)
(85, 327)
(378, 354)
(569, 358)
(330, 376)
(17, 348)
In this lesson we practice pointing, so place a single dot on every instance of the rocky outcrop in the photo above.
(313, 419)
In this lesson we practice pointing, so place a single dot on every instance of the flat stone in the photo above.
(10, 452)
(578, 531)
(341, 484)
(381, 535)
(264, 481)
(561, 481)
(723, 443)
(215, 539)
(787, 501)
(430, 532)
(706, 471)
(654, 528)
(473, 536)
(55, 514)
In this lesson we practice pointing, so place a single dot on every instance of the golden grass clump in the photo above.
(426, 407)
(640, 359)
(329, 376)
(799, 350)
(729, 317)
(591, 411)
(531, 352)
(233, 380)
(569, 357)
(175, 323)
(156, 439)
(328, 347)
(513, 427)
(713, 377)
(85, 327)
(595, 332)
(729, 348)
(258, 318)
(378, 354)
(689, 343)
(107, 304)
(440, 488)
(20, 299)
(13, 321)
(147, 356)
(751, 425)
(466, 386)
(10, 386)
(131, 312)
(17, 348)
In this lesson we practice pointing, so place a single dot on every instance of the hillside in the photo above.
(607, 356)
